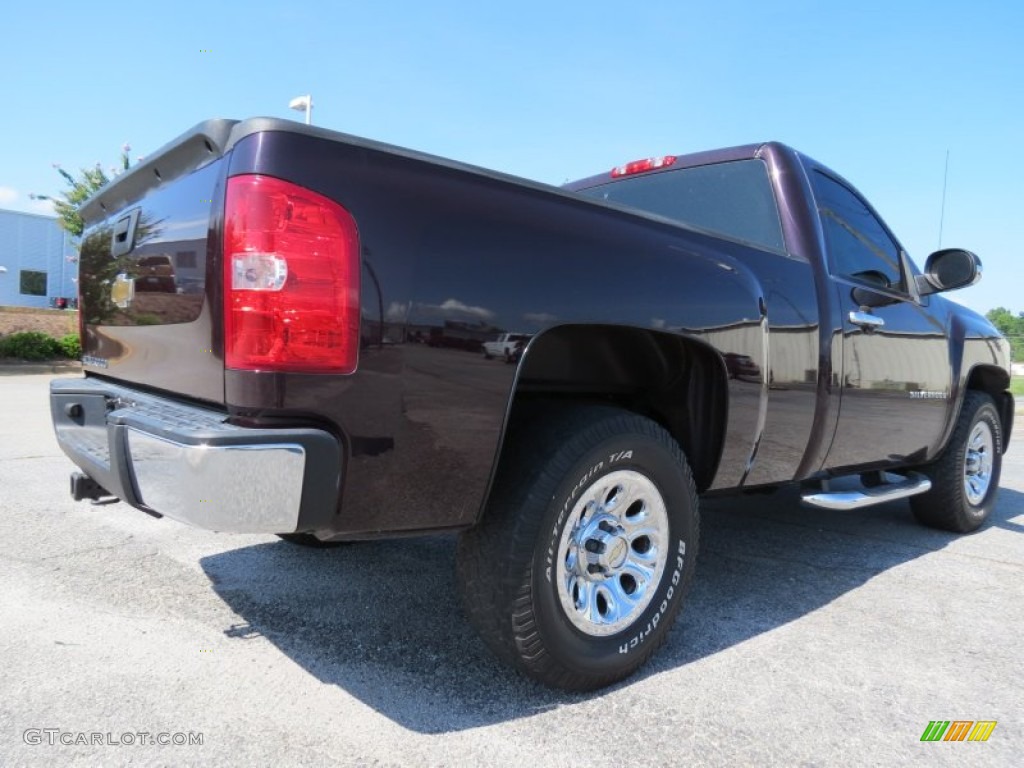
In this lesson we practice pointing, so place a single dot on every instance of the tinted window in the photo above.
(732, 198)
(858, 245)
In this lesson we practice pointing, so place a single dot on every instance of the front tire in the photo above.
(965, 476)
(587, 549)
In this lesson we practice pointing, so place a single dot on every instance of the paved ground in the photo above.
(810, 638)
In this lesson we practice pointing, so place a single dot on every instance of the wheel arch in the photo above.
(994, 381)
(678, 381)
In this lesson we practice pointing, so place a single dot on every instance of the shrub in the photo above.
(71, 346)
(30, 345)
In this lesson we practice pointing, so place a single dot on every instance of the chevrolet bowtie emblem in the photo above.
(122, 291)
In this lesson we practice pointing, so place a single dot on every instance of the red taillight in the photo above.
(291, 279)
(639, 166)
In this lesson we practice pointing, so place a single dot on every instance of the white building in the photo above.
(37, 264)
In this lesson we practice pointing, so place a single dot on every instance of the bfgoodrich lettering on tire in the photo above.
(587, 549)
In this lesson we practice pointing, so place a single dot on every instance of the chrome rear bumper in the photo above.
(189, 464)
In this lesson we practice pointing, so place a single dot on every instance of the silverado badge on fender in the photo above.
(927, 394)
(122, 291)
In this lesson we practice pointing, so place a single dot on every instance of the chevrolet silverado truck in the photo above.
(705, 324)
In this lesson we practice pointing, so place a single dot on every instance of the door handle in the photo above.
(866, 320)
(123, 237)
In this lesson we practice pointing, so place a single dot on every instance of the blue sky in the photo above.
(558, 90)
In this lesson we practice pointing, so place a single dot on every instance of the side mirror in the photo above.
(947, 270)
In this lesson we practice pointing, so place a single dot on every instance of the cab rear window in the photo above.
(734, 199)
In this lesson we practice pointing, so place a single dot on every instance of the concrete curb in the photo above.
(23, 368)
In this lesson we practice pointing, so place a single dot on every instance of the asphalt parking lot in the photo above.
(810, 638)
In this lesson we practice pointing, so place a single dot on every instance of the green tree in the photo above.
(89, 181)
(1011, 326)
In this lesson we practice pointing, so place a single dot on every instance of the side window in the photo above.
(859, 247)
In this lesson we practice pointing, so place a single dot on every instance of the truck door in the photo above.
(891, 356)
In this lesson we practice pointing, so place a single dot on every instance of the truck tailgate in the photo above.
(147, 307)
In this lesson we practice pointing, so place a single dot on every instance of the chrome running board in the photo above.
(911, 485)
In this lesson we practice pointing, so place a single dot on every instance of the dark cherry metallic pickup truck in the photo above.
(703, 324)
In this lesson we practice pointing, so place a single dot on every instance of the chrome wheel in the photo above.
(978, 463)
(612, 553)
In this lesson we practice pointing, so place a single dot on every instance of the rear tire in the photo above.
(965, 476)
(587, 548)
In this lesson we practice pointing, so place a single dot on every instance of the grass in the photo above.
(1017, 386)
